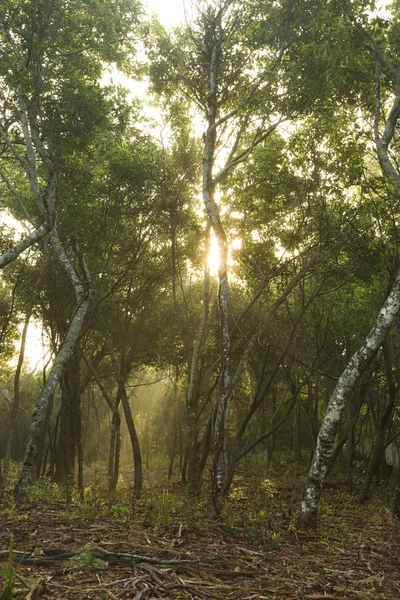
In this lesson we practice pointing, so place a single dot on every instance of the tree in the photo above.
(384, 129)
(234, 81)
(42, 61)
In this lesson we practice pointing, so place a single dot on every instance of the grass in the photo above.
(12, 579)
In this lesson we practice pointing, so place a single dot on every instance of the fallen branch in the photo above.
(49, 555)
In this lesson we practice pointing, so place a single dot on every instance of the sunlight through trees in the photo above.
(199, 246)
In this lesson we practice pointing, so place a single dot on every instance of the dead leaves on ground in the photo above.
(95, 559)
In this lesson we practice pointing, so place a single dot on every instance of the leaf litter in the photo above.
(355, 554)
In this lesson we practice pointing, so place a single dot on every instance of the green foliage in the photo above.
(45, 491)
(166, 506)
(311, 189)
(11, 578)
(85, 560)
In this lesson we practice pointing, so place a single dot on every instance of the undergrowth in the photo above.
(259, 511)
(11, 578)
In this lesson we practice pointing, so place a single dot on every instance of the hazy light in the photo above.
(170, 13)
(36, 347)
(7, 219)
(382, 9)
(213, 257)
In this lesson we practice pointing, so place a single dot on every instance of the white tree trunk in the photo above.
(26, 242)
(359, 361)
(37, 431)
(32, 456)
(220, 459)
(344, 387)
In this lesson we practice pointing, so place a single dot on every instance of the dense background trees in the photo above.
(277, 146)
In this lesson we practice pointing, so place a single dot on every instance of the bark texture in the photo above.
(37, 431)
(345, 386)
(193, 392)
(359, 361)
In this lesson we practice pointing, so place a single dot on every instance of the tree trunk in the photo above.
(123, 398)
(174, 425)
(64, 442)
(269, 445)
(137, 457)
(396, 502)
(341, 394)
(53, 445)
(193, 393)
(296, 434)
(350, 443)
(115, 436)
(387, 315)
(15, 404)
(37, 431)
(222, 409)
(70, 446)
(383, 423)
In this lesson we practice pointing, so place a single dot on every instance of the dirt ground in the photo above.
(107, 552)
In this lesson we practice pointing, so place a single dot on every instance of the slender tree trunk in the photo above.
(184, 468)
(17, 376)
(296, 434)
(341, 394)
(53, 446)
(206, 443)
(147, 434)
(115, 435)
(123, 398)
(79, 448)
(350, 444)
(174, 425)
(64, 442)
(37, 431)
(193, 393)
(396, 502)
(383, 423)
(270, 441)
(386, 317)
(222, 409)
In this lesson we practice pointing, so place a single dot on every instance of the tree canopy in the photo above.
(273, 133)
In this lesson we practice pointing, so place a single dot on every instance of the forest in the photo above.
(199, 231)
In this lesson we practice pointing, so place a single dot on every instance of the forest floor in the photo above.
(163, 546)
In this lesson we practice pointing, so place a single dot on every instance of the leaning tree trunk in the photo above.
(29, 467)
(346, 384)
(386, 317)
(137, 457)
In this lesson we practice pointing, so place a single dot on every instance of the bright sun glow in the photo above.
(36, 348)
(213, 257)
(171, 13)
